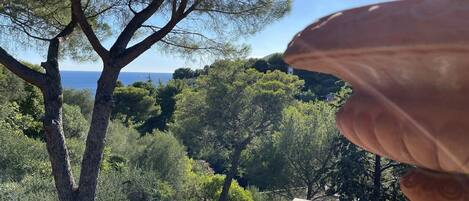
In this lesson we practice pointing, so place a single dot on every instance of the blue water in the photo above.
(87, 80)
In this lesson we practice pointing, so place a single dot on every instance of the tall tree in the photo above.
(221, 22)
(305, 144)
(166, 99)
(51, 22)
(234, 106)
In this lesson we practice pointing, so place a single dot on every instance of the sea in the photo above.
(88, 79)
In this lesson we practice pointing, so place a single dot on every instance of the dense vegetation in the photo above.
(238, 130)
(76, 29)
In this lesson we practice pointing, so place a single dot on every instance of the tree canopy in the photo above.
(235, 105)
(305, 145)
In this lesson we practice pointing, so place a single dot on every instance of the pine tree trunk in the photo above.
(55, 139)
(96, 136)
(231, 174)
(309, 193)
(377, 179)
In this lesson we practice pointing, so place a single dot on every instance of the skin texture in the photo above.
(426, 185)
(408, 69)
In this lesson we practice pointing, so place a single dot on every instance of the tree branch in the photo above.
(88, 30)
(21, 70)
(23, 29)
(229, 12)
(390, 165)
(134, 24)
(51, 65)
(129, 4)
(101, 11)
(136, 50)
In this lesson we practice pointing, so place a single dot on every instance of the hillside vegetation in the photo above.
(245, 129)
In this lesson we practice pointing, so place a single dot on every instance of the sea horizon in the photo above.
(88, 79)
(97, 71)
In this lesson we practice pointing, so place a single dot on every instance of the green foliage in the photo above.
(236, 192)
(166, 99)
(30, 24)
(11, 86)
(81, 98)
(147, 85)
(74, 123)
(161, 153)
(30, 188)
(23, 98)
(269, 63)
(184, 73)
(305, 142)
(341, 96)
(317, 85)
(122, 140)
(230, 107)
(133, 105)
(76, 148)
(20, 155)
(220, 23)
(222, 107)
(11, 117)
(208, 187)
(133, 185)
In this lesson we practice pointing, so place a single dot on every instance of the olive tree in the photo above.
(173, 25)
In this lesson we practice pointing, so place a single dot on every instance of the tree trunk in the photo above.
(309, 193)
(231, 174)
(55, 139)
(96, 136)
(377, 179)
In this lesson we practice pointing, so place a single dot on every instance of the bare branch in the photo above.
(188, 47)
(88, 30)
(390, 165)
(228, 12)
(134, 24)
(136, 50)
(67, 30)
(101, 11)
(129, 4)
(24, 27)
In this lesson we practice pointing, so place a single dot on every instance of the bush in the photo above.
(122, 140)
(164, 155)
(20, 155)
(76, 148)
(74, 123)
(209, 186)
(81, 98)
(31, 188)
(133, 185)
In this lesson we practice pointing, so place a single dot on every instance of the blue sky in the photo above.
(273, 38)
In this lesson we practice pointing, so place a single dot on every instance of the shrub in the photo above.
(74, 123)
(30, 188)
(81, 98)
(209, 186)
(163, 154)
(123, 141)
(133, 185)
(20, 155)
